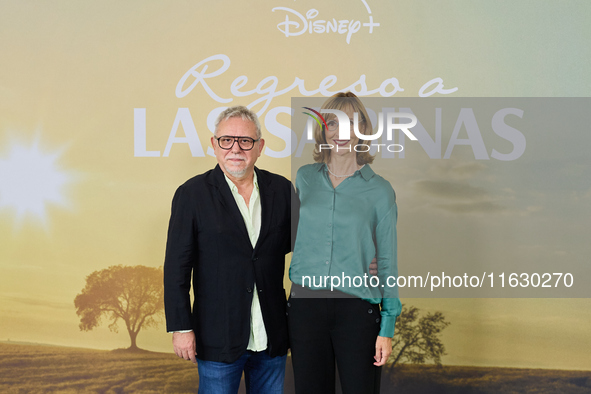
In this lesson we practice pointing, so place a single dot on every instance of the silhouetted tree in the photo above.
(132, 294)
(416, 339)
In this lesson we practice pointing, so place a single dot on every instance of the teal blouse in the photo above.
(341, 230)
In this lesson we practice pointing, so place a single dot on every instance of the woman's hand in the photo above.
(383, 350)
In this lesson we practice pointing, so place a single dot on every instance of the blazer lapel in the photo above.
(227, 200)
(266, 194)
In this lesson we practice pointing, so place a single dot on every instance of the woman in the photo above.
(347, 216)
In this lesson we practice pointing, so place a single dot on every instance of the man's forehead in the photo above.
(238, 127)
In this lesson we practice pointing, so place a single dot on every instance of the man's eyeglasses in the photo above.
(227, 142)
(334, 124)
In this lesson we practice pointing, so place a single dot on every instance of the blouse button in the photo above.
(370, 311)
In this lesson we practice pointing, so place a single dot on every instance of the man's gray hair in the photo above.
(239, 111)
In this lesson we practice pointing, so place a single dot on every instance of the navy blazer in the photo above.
(208, 243)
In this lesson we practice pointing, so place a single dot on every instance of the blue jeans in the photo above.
(262, 374)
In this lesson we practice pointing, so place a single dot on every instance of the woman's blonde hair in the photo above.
(343, 102)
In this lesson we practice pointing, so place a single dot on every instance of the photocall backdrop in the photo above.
(106, 107)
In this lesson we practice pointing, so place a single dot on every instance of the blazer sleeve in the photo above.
(178, 263)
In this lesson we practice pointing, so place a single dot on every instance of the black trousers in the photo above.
(323, 331)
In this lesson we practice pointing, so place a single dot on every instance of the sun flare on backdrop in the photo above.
(31, 180)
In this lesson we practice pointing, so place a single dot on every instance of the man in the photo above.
(229, 232)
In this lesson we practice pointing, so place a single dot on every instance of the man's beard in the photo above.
(236, 174)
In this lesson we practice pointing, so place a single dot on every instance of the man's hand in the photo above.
(373, 267)
(184, 345)
(383, 350)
